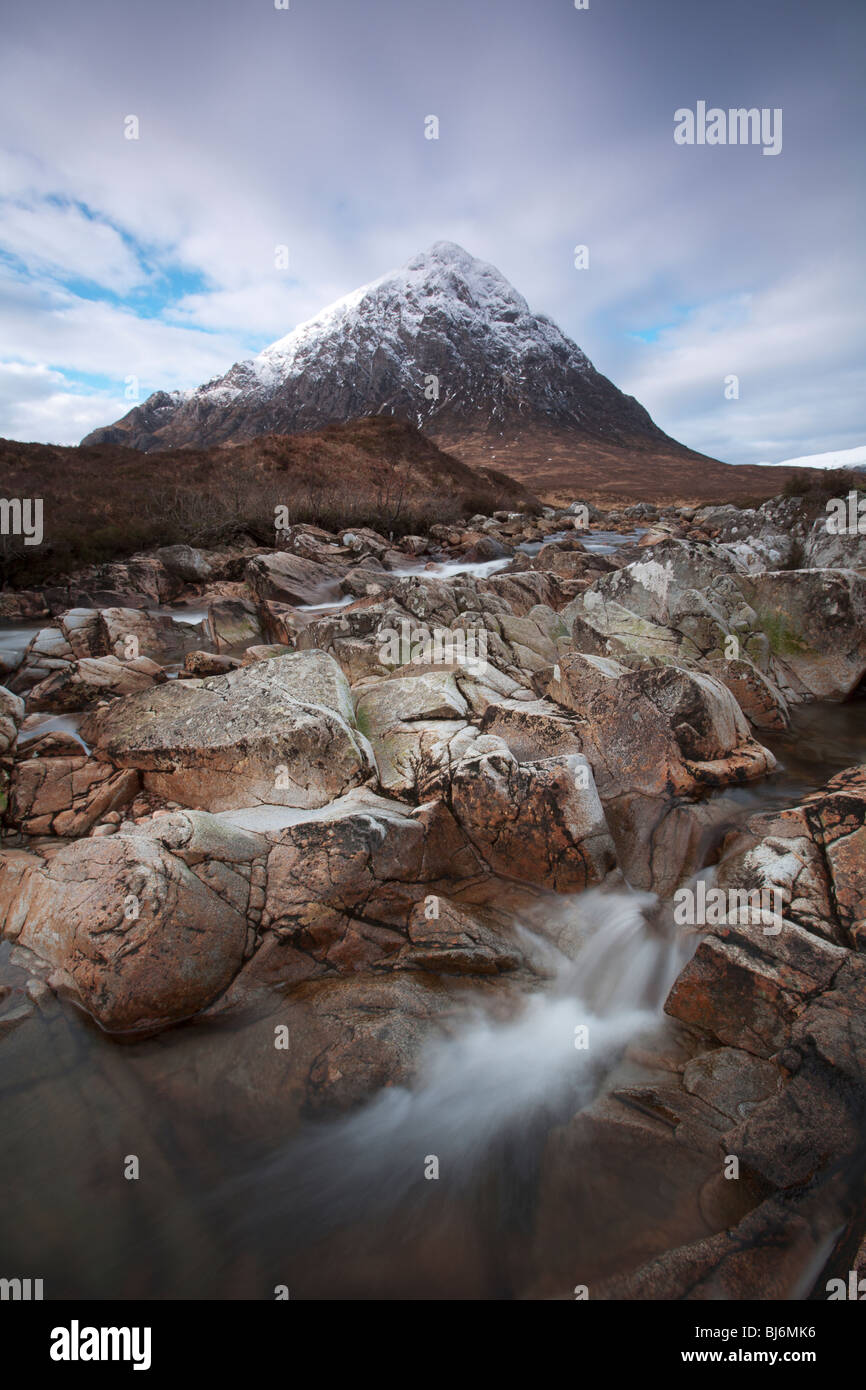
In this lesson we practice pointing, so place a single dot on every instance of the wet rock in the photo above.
(654, 735)
(540, 822)
(342, 883)
(457, 942)
(281, 622)
(123, 634)
(487, 548)
(813, 855)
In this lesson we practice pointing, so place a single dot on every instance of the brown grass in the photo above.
(103, 502)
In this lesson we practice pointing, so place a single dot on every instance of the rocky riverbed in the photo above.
(339, 889)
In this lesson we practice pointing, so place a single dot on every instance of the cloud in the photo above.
(64, 241)
(38, 404)
(795, 349)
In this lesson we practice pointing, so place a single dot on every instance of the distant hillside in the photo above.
(103, 501)
(560, 467)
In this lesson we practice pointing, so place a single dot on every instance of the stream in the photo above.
(428, 1191)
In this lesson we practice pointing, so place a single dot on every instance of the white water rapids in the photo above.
(491, 1082)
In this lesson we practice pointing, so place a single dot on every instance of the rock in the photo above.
(280, 622)
(279, 732)
(127, 633)
(432, 695)
(264, 652)
(293, 579)
(11, 717)
(539, 822)
(71, 793)
(232, 624)
(694, 604)
(655, 736)
(81, 683)
(761, 701)
(456, 942)
(526, 589)
(732, 1081)
(823, 549)
(815, 621)
(124, 634)
(487, 548)
(209, 664)
(25, 606)
(813, 854)
(342, 883)
(532, 729)
(136, 937)
(746, 989)
(658, 731)
(184, 562)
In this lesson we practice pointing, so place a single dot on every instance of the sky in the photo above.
(133, 265)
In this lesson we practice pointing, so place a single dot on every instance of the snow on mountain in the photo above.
(840, 458)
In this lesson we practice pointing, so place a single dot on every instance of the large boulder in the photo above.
(136, 936)
(279, 732)
(343, 881)
(815, 621)
(403, 717)
(660, 731)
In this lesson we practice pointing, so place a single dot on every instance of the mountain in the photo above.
(513, 390)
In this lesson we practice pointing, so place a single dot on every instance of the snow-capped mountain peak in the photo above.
(445, 342)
